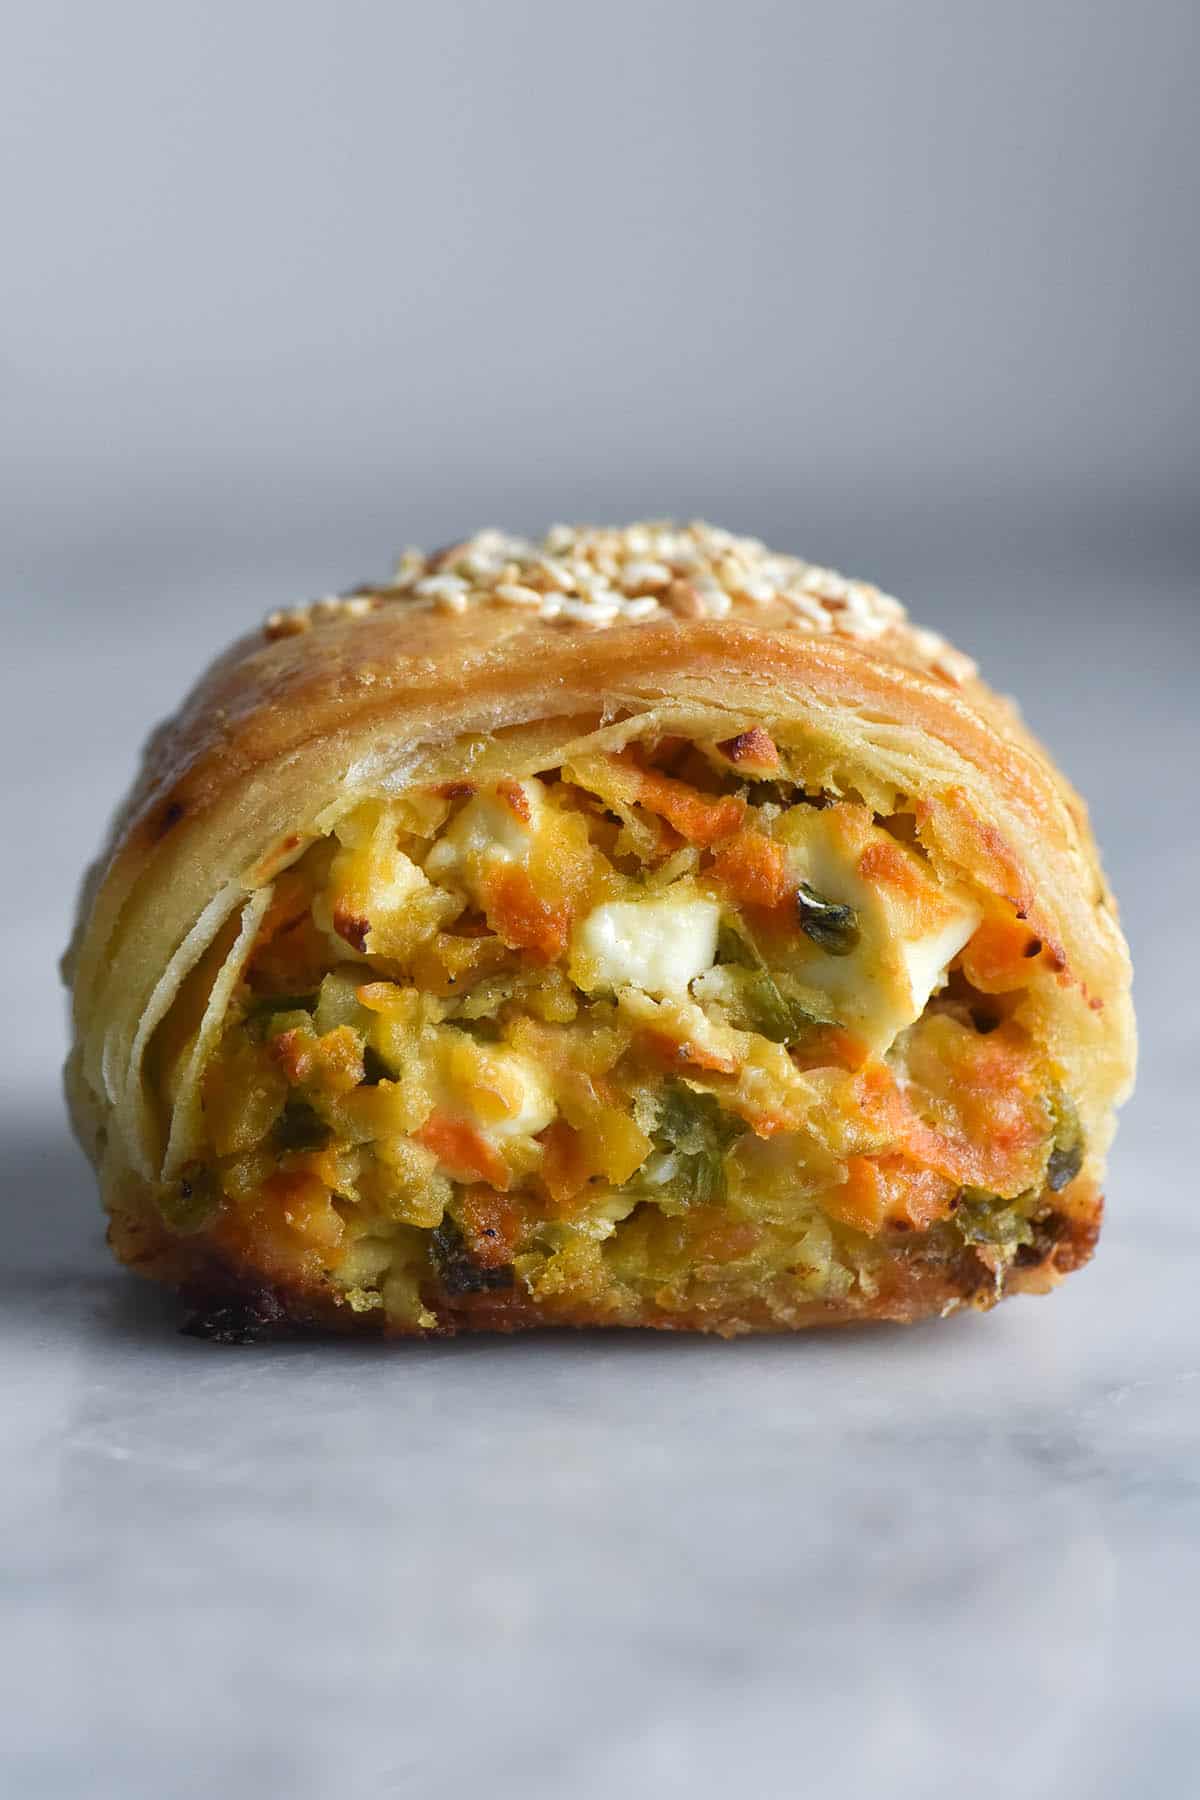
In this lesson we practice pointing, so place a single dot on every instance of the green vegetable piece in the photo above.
(707, 1175)
(1066, 1151)
(1063, 1167)
(828, 923)
(766, 1010)
(694, 1122)
(699, 1131)
(301, 1127)
(736, 946)
(771, 1008)
(777, 1013)
(984, 1218)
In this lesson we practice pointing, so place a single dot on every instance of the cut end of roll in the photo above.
(632, 928)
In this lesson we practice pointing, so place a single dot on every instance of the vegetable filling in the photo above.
(656, 1026)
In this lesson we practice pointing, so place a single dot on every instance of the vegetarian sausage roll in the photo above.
(634, 927)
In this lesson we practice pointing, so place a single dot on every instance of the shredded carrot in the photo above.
(889, 1190)
(886, 865)
(521, 918)
(699, 818)
(1000, 956)
(516, 799)
(754, 870)
(464, 1152)
(832, 1046)
(994, 1129)
(769, 1125)
(293, 1051)
(490, 1224)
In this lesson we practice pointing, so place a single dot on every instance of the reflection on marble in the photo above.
(964, 1553)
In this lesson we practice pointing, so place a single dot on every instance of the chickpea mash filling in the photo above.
(657, 1027)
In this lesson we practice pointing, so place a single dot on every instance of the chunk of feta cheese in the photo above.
(490, 829)
(884, 986)
(658, 944)
(377, 899)
(910, 925)
(501, 1093)
(926, 958)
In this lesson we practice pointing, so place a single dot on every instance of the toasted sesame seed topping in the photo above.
(287, 622)
(592, 577)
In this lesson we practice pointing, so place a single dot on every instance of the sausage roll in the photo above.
(633, 927)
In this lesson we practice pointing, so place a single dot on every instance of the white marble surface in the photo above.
(959, 1559)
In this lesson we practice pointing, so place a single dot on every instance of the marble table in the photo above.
(959, 1559)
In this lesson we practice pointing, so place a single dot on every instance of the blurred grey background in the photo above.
(908, 286)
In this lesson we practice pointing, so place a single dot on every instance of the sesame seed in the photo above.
(645, 577)
(589, 612)
(408, 567)
(827, 585)
(928, 644)
(804, 607)
(552, 573)
(433, 586)
(592, 577)
(685, 600)
(287, 623)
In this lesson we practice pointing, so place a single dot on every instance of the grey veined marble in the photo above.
(957, 1558)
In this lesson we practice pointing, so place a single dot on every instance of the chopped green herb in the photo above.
(828, 923)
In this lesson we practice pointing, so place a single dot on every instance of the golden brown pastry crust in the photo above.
(286, 729)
